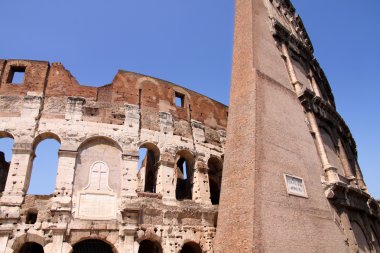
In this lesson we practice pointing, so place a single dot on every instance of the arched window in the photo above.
(191, 247)
(31, 247)
(92, 246)
(148, 246)
(45, 165)
(6, 145)
(185, 171)
(360, 237)
(215, 168)
(149, 155)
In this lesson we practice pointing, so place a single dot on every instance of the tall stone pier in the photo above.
(287, 148)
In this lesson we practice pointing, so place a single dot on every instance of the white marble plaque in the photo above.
(96, 205)
(295, 185)
(97, 201)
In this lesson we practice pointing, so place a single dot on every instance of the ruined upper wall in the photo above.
(106, 104)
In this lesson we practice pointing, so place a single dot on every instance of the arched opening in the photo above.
(360, 237)
(92, 246)
(45, 165)
(106, 155)
(191, 247)
(375, 239)
(6, 145)
(148, 246)
(31, 247)
(185, 171)
(215, 169)
(149, 156)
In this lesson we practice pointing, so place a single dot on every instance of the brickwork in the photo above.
(283, 168)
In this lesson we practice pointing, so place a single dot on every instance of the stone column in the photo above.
(289, 65)
(330, 171)
(314, 84)
(201, 189)
(346, 165)
(19, 174)
(359, 178)
(65, 179)
(4, 237)
(129, 239)
(345, 220)
(166, 181)
(129, 174)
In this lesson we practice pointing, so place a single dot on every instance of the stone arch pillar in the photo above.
(19, 174)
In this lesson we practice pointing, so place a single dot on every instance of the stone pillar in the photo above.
(166, 181)
(129, 239)
(359, 177)
(64, 180)
(346, 165)
(19, 174)
(201, 189)
(289, 65)
(346, 223)
(129, 174)
(74, 108)
(56, 245)
(314, 84)
(330, 171)
(4, 237)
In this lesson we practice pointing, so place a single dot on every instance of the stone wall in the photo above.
(98, 193)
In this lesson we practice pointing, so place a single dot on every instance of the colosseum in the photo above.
(291, 181)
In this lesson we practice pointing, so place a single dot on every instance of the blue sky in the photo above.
(190, 43)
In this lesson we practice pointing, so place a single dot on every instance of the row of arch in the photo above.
(184, 165)
(99, 246)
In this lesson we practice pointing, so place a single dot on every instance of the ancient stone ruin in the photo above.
(291, 181)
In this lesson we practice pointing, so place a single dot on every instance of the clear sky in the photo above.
(190, 43)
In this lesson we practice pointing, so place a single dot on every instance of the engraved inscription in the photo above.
(295, 185)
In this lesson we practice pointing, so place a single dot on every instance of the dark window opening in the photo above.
(31, 247)
(92, 246)
(16, 75)
(149, 156)
(148, 167)
(184, 186)
(148, 246)
(191, 247)
(179, 100)
(215, 168)
(31, 218)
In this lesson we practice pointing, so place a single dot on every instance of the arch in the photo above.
(99, 137)
(191, 247)
(149, 156)
(20, 241)
(44, 167)
(149, 246)
(98, 149)
(6, 146)
(44, 136)
(184, 168)
(93, 245)
(5, 134)
(361, 237)
(31, 247)
(215, 169)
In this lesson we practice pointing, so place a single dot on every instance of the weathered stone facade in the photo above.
(299, 186)
(291, 181)
(98, 192)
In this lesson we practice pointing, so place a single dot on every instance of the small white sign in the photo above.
(295, 185)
